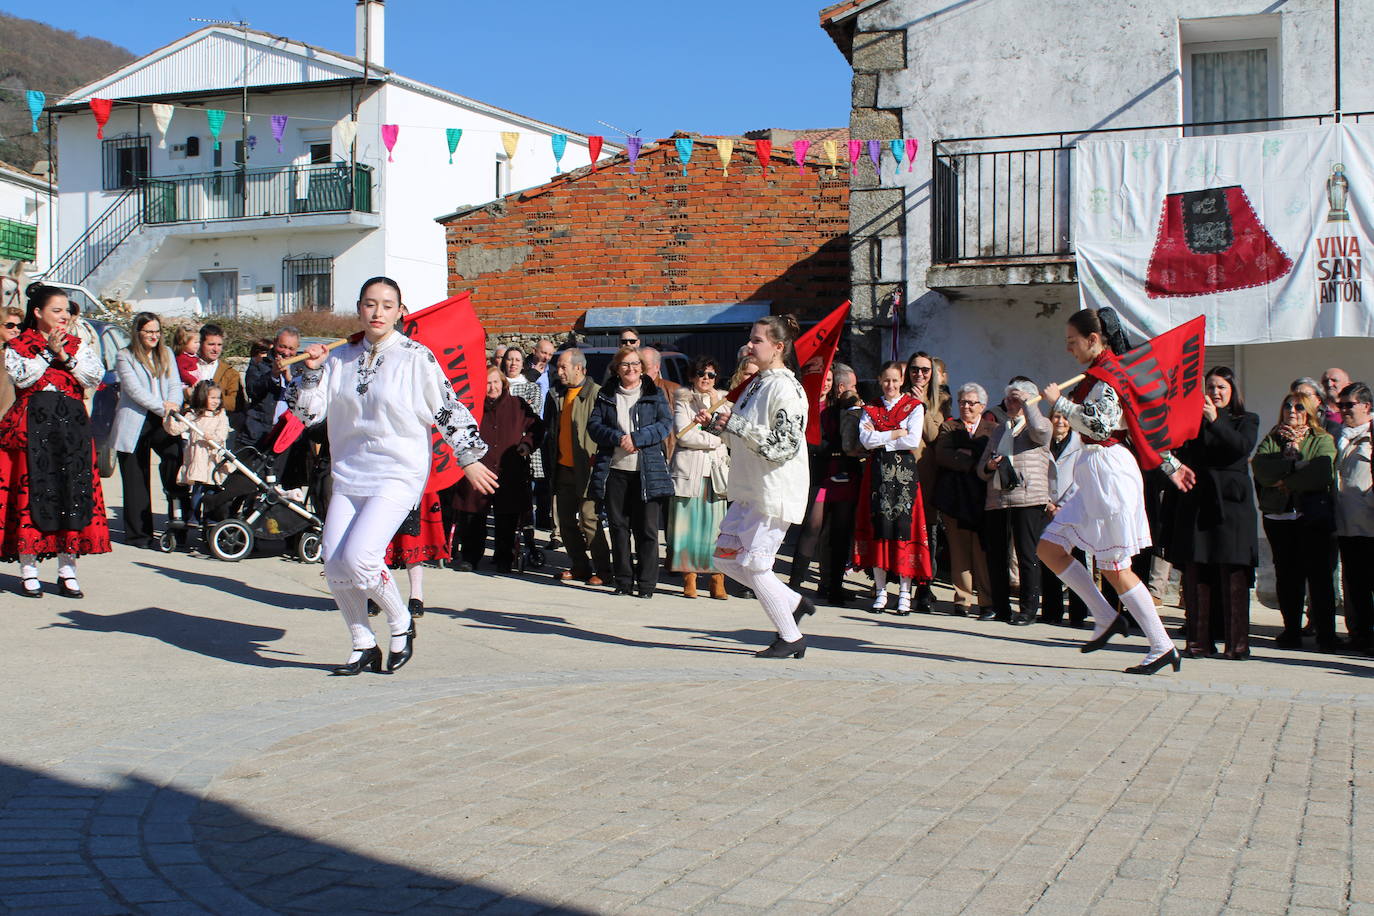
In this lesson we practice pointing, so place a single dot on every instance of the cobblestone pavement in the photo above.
(171, 745)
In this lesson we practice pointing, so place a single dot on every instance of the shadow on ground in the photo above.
(143, 847)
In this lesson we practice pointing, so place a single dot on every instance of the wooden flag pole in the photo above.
(302, 357)
(1062, 385)
(712, 409)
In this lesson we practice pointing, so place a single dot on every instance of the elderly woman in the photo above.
(149, 389)
(1016, 465)
(630, 423)
(1065, 448)
(701, 468)
(512, 432)
(1355, 512)
(1295, 471)
(961, 495)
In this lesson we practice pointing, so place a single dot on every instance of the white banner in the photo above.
(1266, 234)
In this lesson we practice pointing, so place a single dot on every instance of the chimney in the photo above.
(371, 32)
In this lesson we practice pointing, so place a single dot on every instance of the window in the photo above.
(125, 162)
(320, 154)
(307, 284)
(1230, 68)
(502, 176)
(219, 293)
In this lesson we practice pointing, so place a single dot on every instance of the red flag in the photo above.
(101, 108)
(451, 330)
(594, 148)
(821, 341)
(1160, 384)
(763, 149)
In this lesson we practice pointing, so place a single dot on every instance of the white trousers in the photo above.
(357, 530)
(745, 551)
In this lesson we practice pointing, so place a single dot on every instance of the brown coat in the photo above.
(512, 432)
(669, 389)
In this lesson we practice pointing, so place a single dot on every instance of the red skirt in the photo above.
(906, 555)
(21, 537)
(430, 544)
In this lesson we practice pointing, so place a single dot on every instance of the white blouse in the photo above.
(914, 424)
(381, 402)
(766, 431)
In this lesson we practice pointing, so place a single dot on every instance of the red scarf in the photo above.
(886, 419)
(31, 343)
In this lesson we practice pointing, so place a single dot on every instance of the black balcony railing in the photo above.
(255, 193)
(1008, 197)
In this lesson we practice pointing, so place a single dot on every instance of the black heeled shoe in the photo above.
(781, 648)
(1118, 625)
(417, 607)
(35, 592)
(803, 608)
(396, 659)
(370, 659)
(1168, 658)
(67, 591)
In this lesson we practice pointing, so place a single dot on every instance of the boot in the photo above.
(1236, 582)
(1197, 612)
(801, 565)
(718, 586)
(689, 585)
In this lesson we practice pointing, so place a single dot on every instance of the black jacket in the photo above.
(1216, 521)
(263, 391)
(652, 421)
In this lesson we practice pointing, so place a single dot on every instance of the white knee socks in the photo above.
(1080, 580)
(352, 602)
(1142, 608)
(777, 599)
(415, 572)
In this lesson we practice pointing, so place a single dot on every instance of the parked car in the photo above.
(676, 366)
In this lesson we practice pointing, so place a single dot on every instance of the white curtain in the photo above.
(1230, 85)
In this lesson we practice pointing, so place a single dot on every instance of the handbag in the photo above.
(720, 478)
(411, 525)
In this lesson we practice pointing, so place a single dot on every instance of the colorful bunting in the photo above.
(832, 153)
(278, 129)
(36, 101)
(346, 130)
(764, 150)
(875, 153)
(215, 118)
(162, 118)
(559, 143)
(855, 151)
(684, 152)
(389, 134)
(453, 134)
(725, 148)
(594, 148)
(799, 148)
(632, 145)
(896, 146)
(101, 109)
(509, 140)
(911, 146)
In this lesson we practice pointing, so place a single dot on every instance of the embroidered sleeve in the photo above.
(1098, 416)
(783, 437)
(24, 371)
(454, 421)
(307, 397)
(87, 368)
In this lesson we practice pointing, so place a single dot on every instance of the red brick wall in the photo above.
(536, 261)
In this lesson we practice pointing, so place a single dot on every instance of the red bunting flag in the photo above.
(1160, 384)
(594, 148)
(451, 330)
(821, 342)
(764, 150)
(101, 108)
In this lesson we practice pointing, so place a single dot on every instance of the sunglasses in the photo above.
(1296, 408)
(708, 374)
(629, 340)
(924, 370)
(11, 325)
(1347, 405)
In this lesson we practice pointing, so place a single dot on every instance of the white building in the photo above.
(27, 220)
(976, 240)
(175, 225)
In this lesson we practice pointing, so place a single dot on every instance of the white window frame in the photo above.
(503, 176)
(1188, 48)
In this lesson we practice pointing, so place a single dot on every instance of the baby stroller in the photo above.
(251, 506)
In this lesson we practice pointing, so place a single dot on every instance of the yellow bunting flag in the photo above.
(726, 148)
(832, 154)
(509, 138)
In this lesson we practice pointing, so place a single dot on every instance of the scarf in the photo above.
(886, 419)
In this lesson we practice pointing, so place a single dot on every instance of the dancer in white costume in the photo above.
(768, 480)
(1106, 516)
(381, 396)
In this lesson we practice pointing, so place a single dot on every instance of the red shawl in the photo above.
(886, 419)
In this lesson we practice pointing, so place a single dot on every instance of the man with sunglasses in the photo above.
(1355, 512)
(629, 337)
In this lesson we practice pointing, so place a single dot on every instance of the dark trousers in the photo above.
(543, 503)
(629, 514)
(1304, 564)
(580, 528)
(840, 545)
(1357, 575)
(472, 538)
(1209, 588)
(135, 472)
(1001, 528)
(1052, 593)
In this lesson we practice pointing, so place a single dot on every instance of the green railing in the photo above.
(256, 193)
(18, 240)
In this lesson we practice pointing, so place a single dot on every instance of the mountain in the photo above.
(38, 56)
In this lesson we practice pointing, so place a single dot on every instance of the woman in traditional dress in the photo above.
(766, 430)
(51, 502)
(891, 537)
(381, 396)
(700, 470)
(1105, 516)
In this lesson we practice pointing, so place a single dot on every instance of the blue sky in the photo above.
(708, 66)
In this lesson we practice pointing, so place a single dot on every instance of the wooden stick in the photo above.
(1062, 385)
(302, 357)
(712, 409)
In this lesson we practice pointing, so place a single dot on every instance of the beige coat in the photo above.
(699, 454)
(198, 463)
(1355, 489)
(6, 386)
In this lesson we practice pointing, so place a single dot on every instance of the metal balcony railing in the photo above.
(256, 193)
(1007, 198)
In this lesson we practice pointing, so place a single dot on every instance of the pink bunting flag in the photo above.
(278, 129)
(875, 153)
(389, 134)
(764, 150)
(632, 145)
(101, 109)
(799, 148)
(911, 145)
(855, 151)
